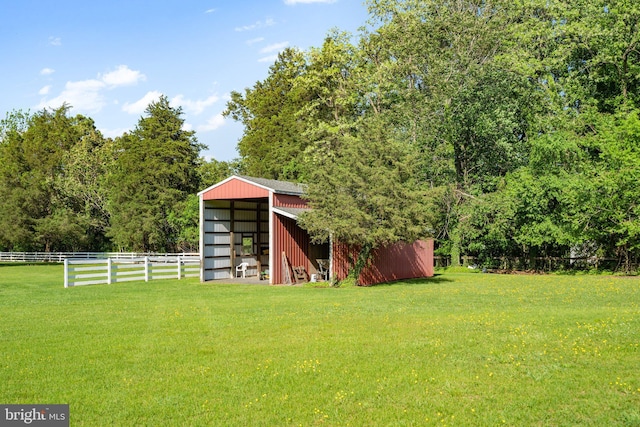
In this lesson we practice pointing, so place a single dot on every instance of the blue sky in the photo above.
(109, 59)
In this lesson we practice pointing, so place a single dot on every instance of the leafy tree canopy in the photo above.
(154, 172)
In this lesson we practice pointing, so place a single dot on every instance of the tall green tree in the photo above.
(82, 184)
(33, 213)
(602, 197)
(364, 193)
(577, 195)
(213, 171)
(434, 67)
(154, 173)
(15, 123)
(15, 232)
(273, 142)
(603, 52)
(328, 83)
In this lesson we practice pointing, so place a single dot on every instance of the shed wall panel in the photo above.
(220, 239)
(235, 189)
(293, 241)
(216, 274)
(216, 260)
(245, 227)
(264, 237)
(251, 206)
(394, 262)
(222, 227)
(217, 227)
(215, 204)
(217, 214)
(288, 201)
(242, 215)
(217, 251)
(220, 263)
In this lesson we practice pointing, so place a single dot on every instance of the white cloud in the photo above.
(83, 95)
(47, 71)
(55, 41)
(270, 58)
(195, 107)
(86, 95)
(260, 24)
(274, 47)
(209, 11)
(140, 105)
(254, 41)
(122, 76)
(294, 2)
(213, 123)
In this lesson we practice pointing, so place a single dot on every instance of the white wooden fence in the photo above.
(61, 256)
(113, 270)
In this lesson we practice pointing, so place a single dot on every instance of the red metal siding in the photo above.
(288, 201)
(395, 262)
(340, 260)
(235, 189)
(293, 241)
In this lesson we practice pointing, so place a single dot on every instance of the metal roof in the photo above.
(278, 187)
(281, 187)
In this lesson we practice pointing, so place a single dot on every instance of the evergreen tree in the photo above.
(364, 192)
(154, 173)
(34, 215)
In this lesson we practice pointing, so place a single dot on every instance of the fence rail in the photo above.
(107, 271)
(61, 256)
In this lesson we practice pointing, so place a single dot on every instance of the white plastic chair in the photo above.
(242, 267)
(323, 268)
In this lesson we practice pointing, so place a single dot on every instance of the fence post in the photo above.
(66, 273)
(146, 269)
(108, 271)
(179, 269)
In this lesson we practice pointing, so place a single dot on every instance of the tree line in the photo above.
(65, 187)
(503, 129)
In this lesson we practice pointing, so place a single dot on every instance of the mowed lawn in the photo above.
(457, 349)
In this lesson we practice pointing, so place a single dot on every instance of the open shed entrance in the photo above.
(249, 225)
(236, 232)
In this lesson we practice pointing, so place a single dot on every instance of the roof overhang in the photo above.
(292, 213)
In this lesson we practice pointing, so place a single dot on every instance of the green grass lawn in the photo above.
(457, 349)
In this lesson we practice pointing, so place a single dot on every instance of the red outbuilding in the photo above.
(248, 227)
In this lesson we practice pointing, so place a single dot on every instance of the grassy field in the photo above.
(457, 349)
